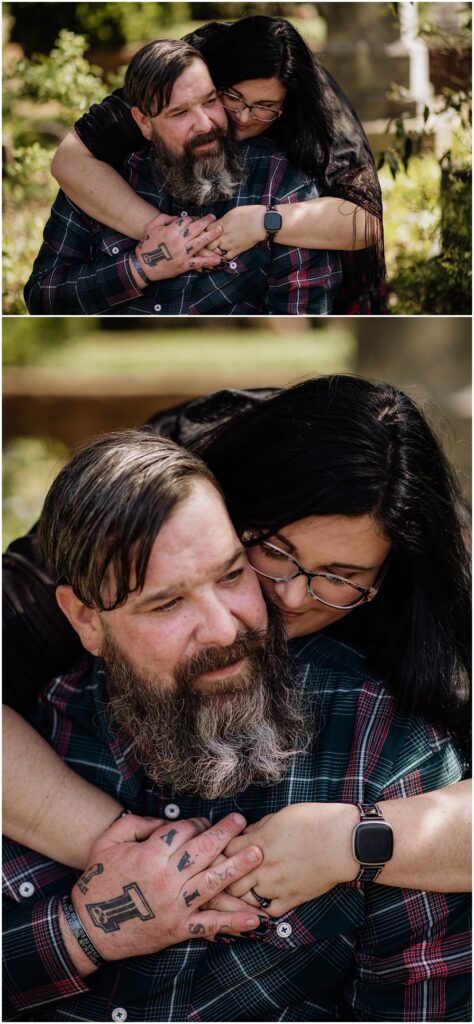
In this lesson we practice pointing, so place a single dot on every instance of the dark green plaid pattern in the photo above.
(82, 266)
(368, 953)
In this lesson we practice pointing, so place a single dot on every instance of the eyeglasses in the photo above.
(334, 591)
(235, 105)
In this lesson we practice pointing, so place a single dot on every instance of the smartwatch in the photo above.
(372, 842)
(272, 222)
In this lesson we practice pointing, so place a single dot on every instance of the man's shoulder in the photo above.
(345, 689)
(262, 153)
(76, 695)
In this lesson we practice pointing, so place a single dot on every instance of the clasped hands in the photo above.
(176, 245)
(150, 884)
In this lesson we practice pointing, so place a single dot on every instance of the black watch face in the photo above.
(272, 221)
(373, 842)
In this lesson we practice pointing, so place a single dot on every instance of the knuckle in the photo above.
(212, 881)
(206, 844)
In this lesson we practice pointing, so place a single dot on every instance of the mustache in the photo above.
(199, 140)
(214, 658)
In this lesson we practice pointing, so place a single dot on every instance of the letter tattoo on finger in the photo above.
(189, 897)
(169, 836)
(157, 255)
(186, 233)
(197, 929)
(83, 882)
(189, 249)
(185, 861)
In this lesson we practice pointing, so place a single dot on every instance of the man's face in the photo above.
(195, 672)
(195, 148)
(194, 111)
(199, 595)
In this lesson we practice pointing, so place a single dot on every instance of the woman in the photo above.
(343, 477)
(269, 82)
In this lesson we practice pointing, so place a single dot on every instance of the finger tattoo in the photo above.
(197, 929)
(110, 914)
(186, 233)
(185, 861)
(169, 836)
(189, 249)
(157, 255)
(83, 882)
(189, 897)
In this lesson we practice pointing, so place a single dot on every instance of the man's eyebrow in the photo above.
(185, 106)
(165, 595)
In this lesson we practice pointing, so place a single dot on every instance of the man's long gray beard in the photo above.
(197, 178)
(215, 744)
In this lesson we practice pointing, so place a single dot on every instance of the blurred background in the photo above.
(405, 66)
(67, 379)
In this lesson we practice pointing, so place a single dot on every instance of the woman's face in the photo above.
(268, 94)
(353, 547)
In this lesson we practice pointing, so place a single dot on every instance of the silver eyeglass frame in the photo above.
(367, 593)
(249, 106)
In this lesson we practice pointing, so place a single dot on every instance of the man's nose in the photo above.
(292, 594)
(202, 121)
(217, 624)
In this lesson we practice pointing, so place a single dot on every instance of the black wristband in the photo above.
(138, 267)
(77, 928)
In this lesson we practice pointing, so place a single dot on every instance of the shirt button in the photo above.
(157, 308)
(171, 811)
(115, 250)
(119, 1013)
(26, 889)
(233, 265)
(284, 930)
(184, 213)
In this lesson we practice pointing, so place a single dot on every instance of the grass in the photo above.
(194, 352)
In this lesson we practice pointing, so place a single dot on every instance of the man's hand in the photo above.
(147, 881)
(176, 245)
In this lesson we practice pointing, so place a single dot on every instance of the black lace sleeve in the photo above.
(109, 131)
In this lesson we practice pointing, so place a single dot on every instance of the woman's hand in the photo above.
(242, 228)
(306, 851)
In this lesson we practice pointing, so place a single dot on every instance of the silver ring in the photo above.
(260, 899)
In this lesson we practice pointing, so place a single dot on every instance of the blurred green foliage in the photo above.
(43, 96)
(107, 25)
(29, 467)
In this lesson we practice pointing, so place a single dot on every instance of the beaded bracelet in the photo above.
(138, 267)
(77, 928)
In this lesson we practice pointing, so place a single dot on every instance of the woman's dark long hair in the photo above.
(342, 445)
(319, 132)
(264, 47)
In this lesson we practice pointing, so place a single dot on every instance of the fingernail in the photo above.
(223, 939)
(264, 922)
(253, 856)
(238, 819)
(253, 922)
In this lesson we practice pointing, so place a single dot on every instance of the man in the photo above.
(185, 662)
(193, 171)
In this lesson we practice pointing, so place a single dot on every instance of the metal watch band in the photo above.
(369, 812)
(138, 267)
(77, 928)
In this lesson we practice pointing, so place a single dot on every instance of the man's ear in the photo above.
(84, 620)
(143, 122)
